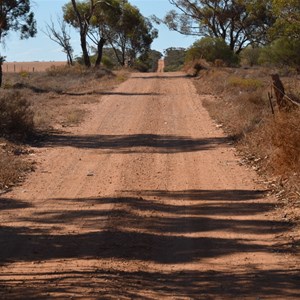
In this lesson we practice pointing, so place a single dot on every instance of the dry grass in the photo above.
(13, 166)
(241, 105)
(60, 95)
(42, 101)
(36, 66)
(16, 116)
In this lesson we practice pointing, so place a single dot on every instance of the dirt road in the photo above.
(145, 200)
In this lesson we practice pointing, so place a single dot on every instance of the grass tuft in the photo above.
(16, 116)
(242, 107)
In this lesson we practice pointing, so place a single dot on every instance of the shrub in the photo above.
(250, 56)
(282, 52)
(212, 49)
(24, 74)
(12, 169)
(66, 70)
(174, 59)
(16, 116)
(107, 62)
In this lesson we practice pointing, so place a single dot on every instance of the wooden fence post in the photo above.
(278, 91)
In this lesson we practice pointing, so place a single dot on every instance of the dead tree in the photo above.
(61, 37)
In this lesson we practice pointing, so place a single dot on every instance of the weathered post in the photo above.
(278, 91)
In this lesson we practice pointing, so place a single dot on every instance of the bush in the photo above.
(212, 49)
(107, 62)
(66, 70)
(282, 52)
(16, 116)
(174, 59)
(250, 56)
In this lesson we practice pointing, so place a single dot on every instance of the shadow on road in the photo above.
(145, 229)
(39, 90)
(145, 285)
(159, 76)
(136, 143)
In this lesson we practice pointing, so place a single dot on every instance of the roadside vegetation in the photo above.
(33, 105)
(113, 35)
(270, 142)
(245, 45)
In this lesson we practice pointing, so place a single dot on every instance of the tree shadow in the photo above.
(196, 284)
(30, 245)
(39, 90)
(225, 195)
(104, 93)
(7, 204)
(136, 143)
(159, 76)
(151, 230)
(141, 229)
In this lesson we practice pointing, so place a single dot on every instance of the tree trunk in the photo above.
(86, 57)
(1, 73)
(70, 59)
(83, 26)
(100, 51)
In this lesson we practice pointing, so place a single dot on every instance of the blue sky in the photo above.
(41, 48)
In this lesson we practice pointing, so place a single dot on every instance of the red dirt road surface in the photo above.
(145, 200)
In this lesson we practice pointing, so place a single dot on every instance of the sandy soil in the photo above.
(146, 199)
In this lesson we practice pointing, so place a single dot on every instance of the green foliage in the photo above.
(211, 49)
(16, 116)
(282, 52)
(107, 62)
(174, 59)
(239, 23)
(110, 55)
(16, 16)
(250, 56)
(148, 62)
(117, 23)
(287, 23)
(132, 34)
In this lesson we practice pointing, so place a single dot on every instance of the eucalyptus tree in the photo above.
(287, 14)
(79, 14)
(132, 34)
(113, 22)
(239, 23)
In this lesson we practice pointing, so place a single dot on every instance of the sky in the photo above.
(41, 48)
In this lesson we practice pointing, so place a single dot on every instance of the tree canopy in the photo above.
(239, 23)
(115, 22)
(287, 13)
(15, 15)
